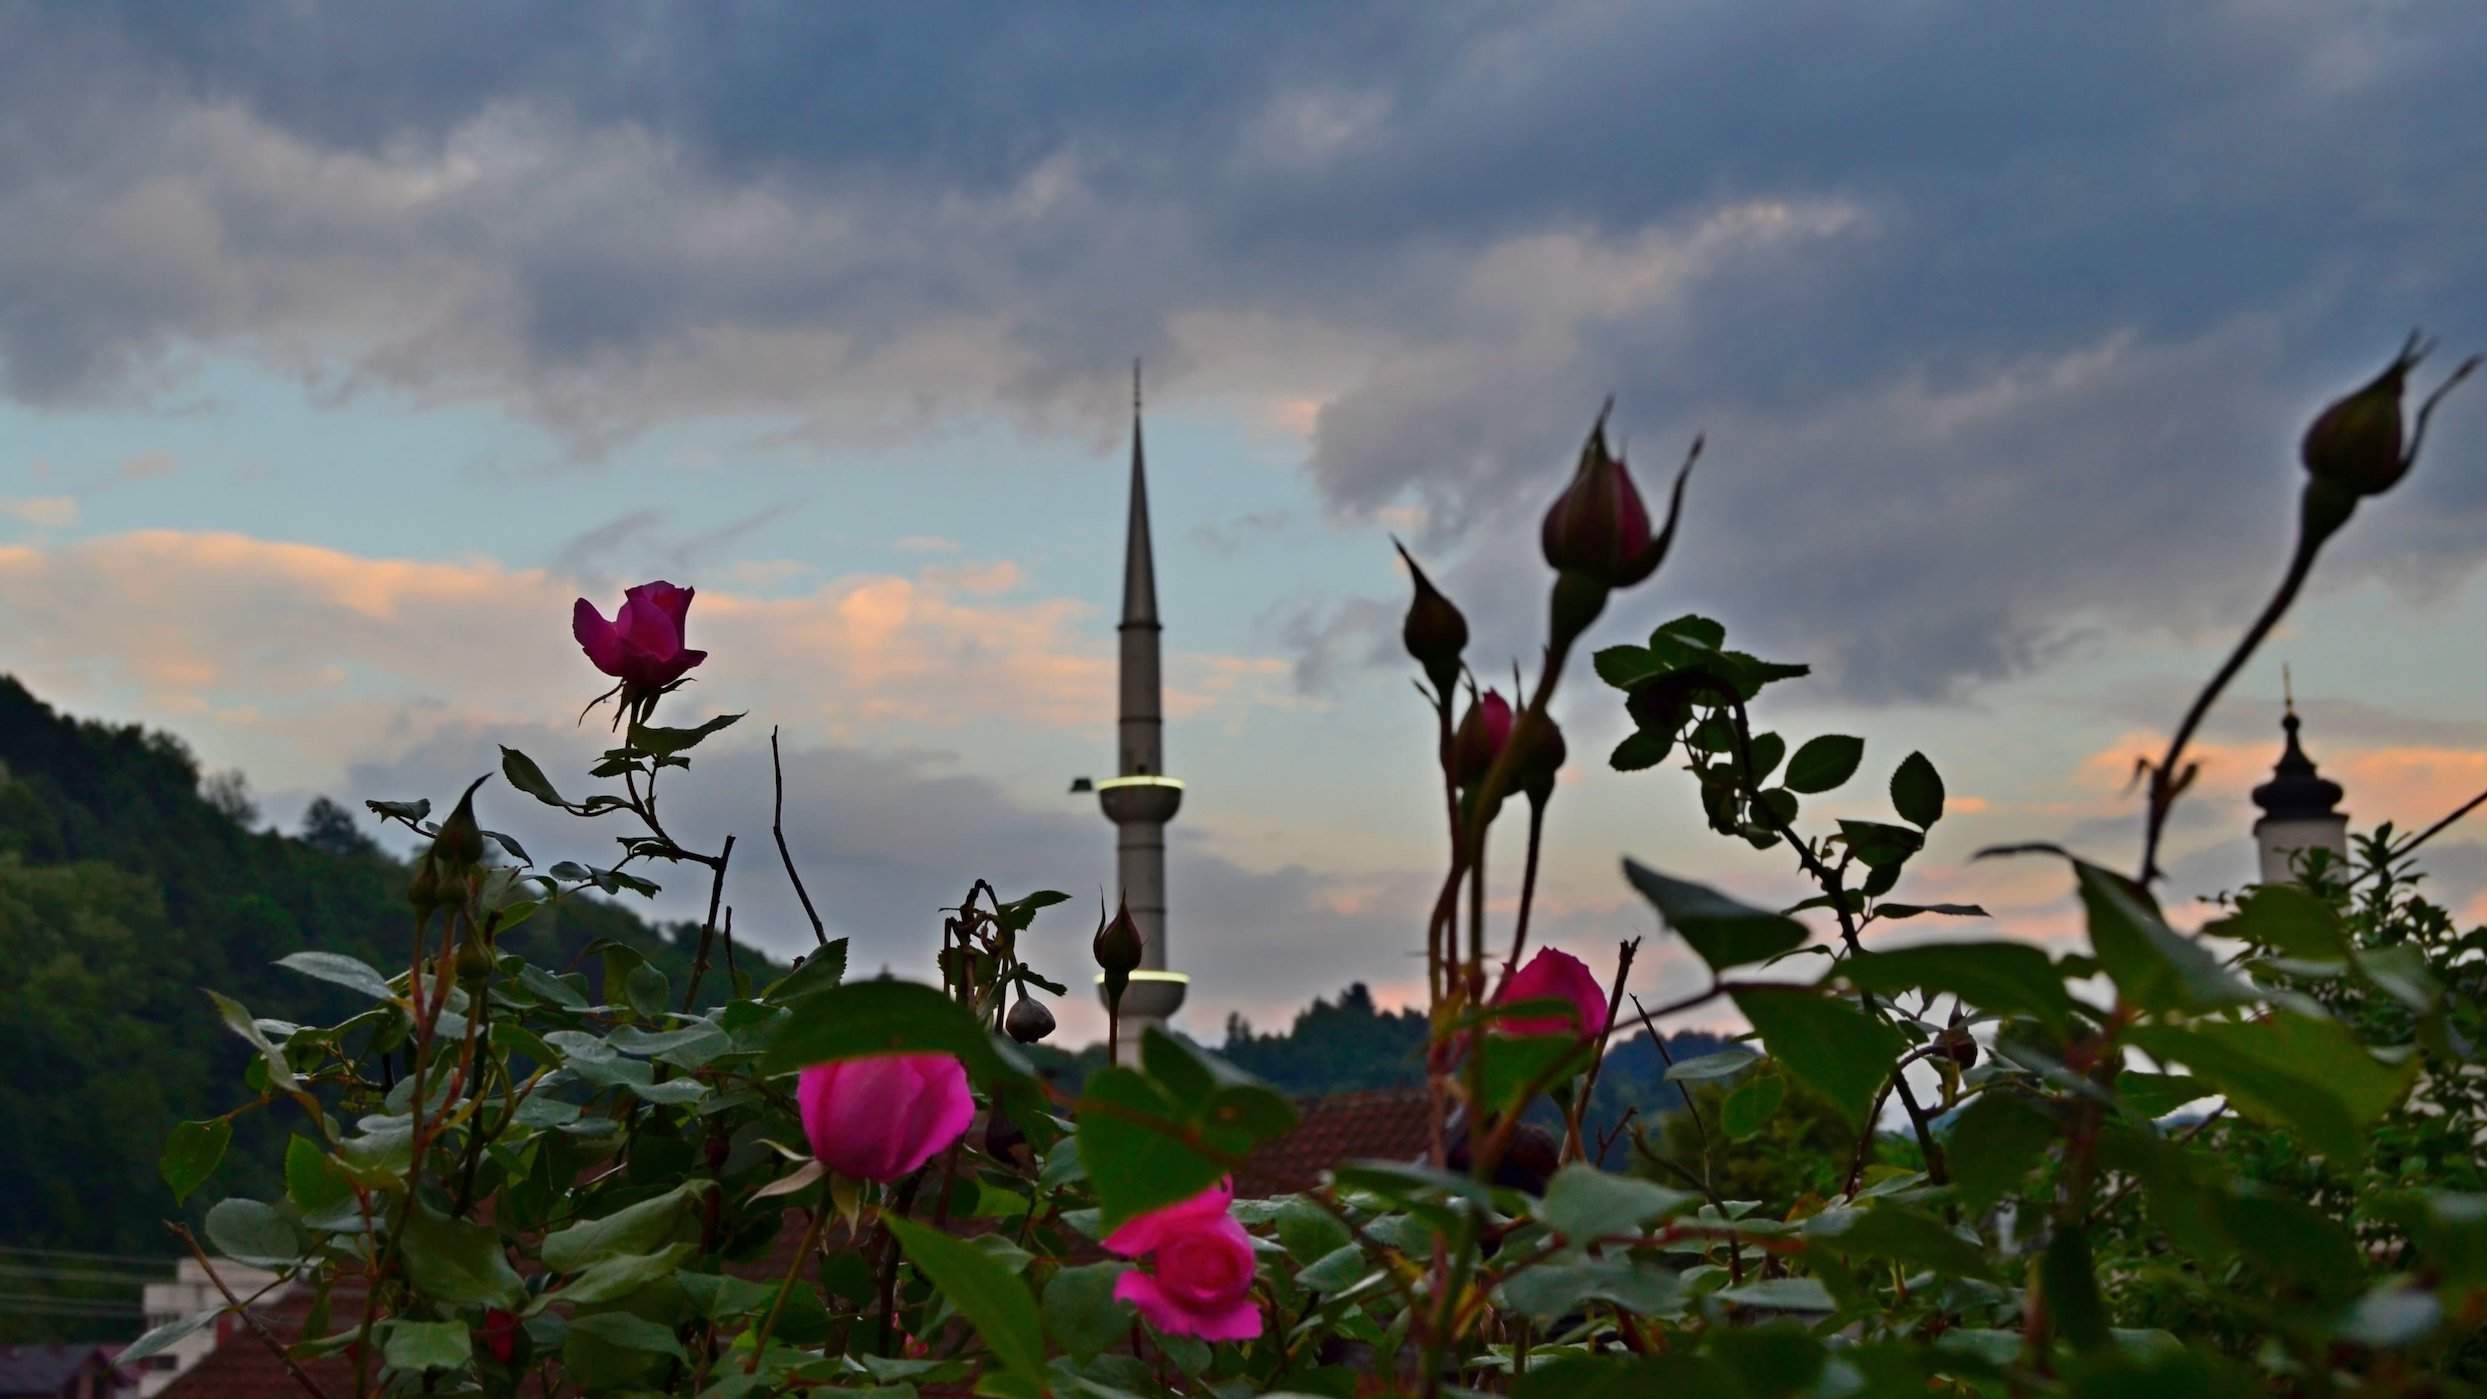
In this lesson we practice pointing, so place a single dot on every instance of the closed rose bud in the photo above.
(882, 1117)
(501, 1334)
(1554, 975)
(1118, 945)
(1959, 1046)
(1435, 633)
(2356, 442)
(458, 845)
(1480, 738)
(424, 891)
(1598, 527)
(1028, 1020)
(1541, 759)
(643, 645)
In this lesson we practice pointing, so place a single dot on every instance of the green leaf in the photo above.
(2069, 1283)
(665, 743)
(628, 1332)
(523, 774)
(1551, 1291)
(191, 1152)
(639, 1228)
(2312, 1074)
(1138, 1151)
(2287, 919)
(1080, 1312)
(1640, 749)
(1336, 1271)
(248, 1231)
(457, 1262)
(1895, 912)
(2007, 978)
(1824, 763)
(338, 969)
(2157, 1095)
(1308, 1231)
(1768, 749)
(1516, 1064)
(1583, 1203)
(1626, 666)
(239, 1021)
(1782, 1294)
(412, 813)
(1994, 1143)
(159, 1339)
(1748, 1109)
(859, 1019)
(2154, 966)
(312, 1181)
(1901, 1234)
(1721, 931)
(614, 1279)
(427, 1345)
(1880, 846)
(1693, 631)
(1917, 792)
(1827, 1042)
(1726, 1063)
(989, 1295)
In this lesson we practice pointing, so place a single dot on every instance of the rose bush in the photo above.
(2237, 1161)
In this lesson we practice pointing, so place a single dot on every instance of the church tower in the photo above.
(2300, 809)
(1140, 799)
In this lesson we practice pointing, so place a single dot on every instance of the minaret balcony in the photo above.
(1139, 799)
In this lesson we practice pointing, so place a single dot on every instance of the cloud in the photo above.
(2000, 323)
(48, 512)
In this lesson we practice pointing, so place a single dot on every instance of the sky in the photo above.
(341, 347)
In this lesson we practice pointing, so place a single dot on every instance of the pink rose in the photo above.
(1599, 526)
(642, 646)
(1202, 1283)
(1482, 734)
(1554, 976)
(879, 1118)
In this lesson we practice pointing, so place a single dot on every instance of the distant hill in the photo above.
(126, 885)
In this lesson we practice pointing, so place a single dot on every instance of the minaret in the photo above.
(2299, 809)
(1141, 799)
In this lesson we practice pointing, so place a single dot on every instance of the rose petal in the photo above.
(597, 638)
(1143, 1233)
(1236, 1321)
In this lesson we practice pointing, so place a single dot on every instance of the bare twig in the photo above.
(708, 930)
(257, 1327)
(777, 827)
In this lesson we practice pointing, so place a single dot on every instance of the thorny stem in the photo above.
(768, 1324)
(889, 1258)
(708, 930)
(1528, 888)
(257, 1327)
(1625, 951)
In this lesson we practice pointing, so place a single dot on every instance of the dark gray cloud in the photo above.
(2000, 319)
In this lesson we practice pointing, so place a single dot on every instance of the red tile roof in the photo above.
(1384, 1124)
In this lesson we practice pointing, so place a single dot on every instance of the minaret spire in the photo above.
(1141, 799)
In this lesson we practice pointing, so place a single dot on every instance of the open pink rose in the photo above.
(879, 1118)
(1203, 1269)
(642, 646)
(1554, 976)
(1144, 1233)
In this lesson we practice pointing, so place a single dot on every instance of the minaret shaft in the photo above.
(1142, 799)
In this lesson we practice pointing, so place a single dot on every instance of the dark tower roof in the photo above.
(1139, 561)
(2294, 792)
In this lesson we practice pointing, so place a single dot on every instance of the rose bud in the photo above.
(458, 845)
(1480, 738)
(882, 1117)
(1435, 633)
(1554, 975)
(1541, 760)
(501, 1334)
(1118, 946)
(643, 645)
(1203, 1261)
(1598, 527)
(1029, 1020)
(2356, 442)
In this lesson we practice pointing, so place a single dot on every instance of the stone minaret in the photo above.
(1140, 799)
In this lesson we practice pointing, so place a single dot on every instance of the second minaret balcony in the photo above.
(1140, 798)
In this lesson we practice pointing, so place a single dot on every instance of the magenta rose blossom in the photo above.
(1482, 735)
(1554, 976)
(642, 646)
(879, 1118)
(1202, 1283)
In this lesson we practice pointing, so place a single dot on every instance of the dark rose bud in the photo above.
(1541, 759)
(1480, 738)
(424, 892)
(1598, 527)
(475, 960)
(1117, 946)
(1028, 1020)
(1959, 1046)
(1435, 632)
(2356, 442)
(459, 844)
(501, 1334)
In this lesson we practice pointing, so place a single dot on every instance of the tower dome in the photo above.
(2300, 810)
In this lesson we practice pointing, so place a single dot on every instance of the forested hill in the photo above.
(124, 889)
